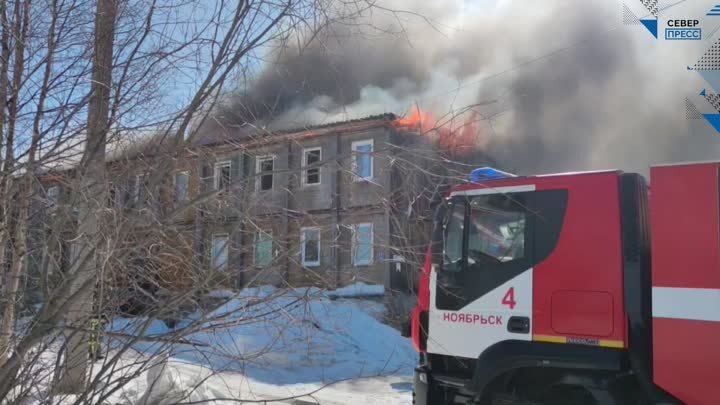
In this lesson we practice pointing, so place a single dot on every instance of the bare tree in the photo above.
(79, 79)
(93, 191)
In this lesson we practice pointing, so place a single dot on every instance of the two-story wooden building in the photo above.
(324, 205)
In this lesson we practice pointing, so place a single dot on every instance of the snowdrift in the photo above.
(287, 336)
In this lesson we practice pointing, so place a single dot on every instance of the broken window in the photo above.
(264, 171)
(222, 175)
(363, 159)
(311, 161)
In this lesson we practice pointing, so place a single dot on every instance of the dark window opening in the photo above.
(312, 159)
(265, 169)
(112, 195)
(222, 176)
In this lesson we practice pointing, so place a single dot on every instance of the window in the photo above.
(139, 191)
(181, 186)
(311, 162)
(263, 248)
(310, 246)
(264, 167)
(222, 176)
(112, 195)
(495, 231)
(363, 159)
(53, 197)
(362, 244)
(118, 192)
(453, 238)
(121, 194)
(219, 254)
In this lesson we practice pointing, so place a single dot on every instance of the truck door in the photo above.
(481, 291)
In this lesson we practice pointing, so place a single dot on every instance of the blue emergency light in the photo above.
(488, 173)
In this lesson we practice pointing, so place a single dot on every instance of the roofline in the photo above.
(520, 179)
(583, 172)
(271, 138)
(699, 162)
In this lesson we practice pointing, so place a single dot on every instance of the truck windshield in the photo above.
(490, 227)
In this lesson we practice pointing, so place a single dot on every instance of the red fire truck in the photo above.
(577, 288)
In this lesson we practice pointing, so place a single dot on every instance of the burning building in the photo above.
(325, 205)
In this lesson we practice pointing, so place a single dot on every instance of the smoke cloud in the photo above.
(562, 86)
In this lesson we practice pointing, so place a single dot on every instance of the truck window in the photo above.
(496, 229)
(453, 238)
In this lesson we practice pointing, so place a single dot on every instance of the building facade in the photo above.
(321, 206)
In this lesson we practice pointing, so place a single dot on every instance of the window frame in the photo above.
(52, 205)
(213, 264)
(112, 194)
(187, 186)
(304, 262)
(258, 173)
(217, 173)
(305, 172)
(255, 248)
(470, 212)
(355, 244)
(139, 183)
(354, 146)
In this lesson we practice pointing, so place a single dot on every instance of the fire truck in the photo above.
(588, 288)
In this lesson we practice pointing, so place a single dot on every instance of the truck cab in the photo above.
(541, 287)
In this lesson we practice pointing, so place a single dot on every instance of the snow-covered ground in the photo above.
(270, 344)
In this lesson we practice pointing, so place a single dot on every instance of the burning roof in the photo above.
(458, 135)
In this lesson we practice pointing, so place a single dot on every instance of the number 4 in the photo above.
(509, 298)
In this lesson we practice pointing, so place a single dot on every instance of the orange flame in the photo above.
(457, 136)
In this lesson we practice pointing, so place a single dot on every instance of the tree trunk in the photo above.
(12, 281)
(93, 199)
(5, 176)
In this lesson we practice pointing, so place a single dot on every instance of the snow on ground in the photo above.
(358, 290)
(266, 343)
(173, 382)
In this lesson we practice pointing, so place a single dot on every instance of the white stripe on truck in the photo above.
(699, 304)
